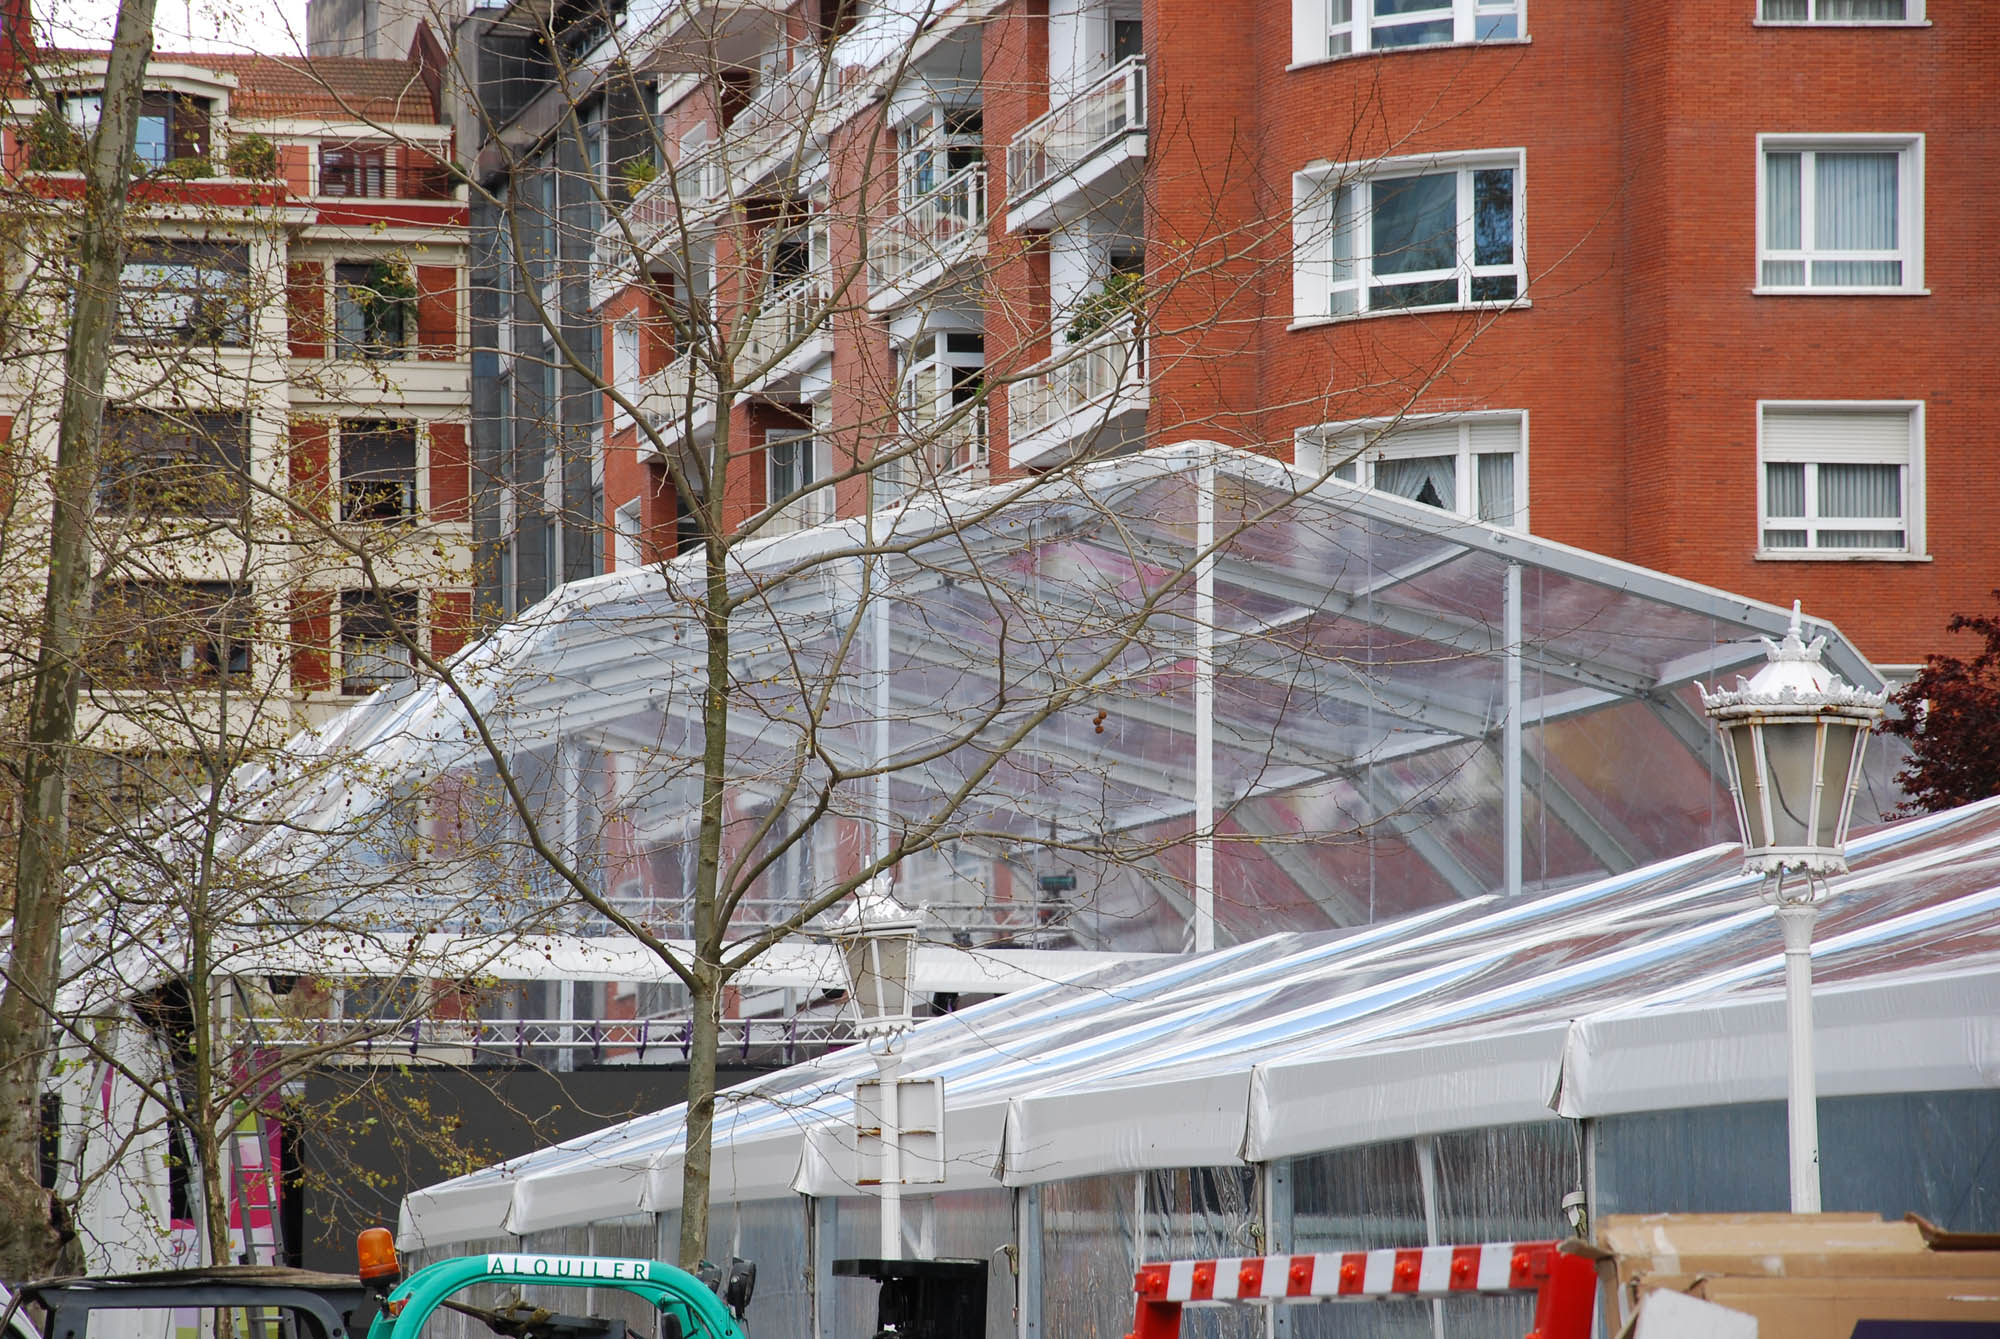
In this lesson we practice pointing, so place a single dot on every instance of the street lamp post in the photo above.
(877, 938)
(1793, 739)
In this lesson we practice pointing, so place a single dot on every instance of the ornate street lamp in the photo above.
(877, 938)
(1793, 738)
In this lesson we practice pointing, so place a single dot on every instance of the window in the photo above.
(936, 147)
(1326, 28)
(170, 462)
(378, 470)
(1840, 478)
(371, 310)
(626, 530)
(624, 368)
(1841, 11)
(171, 126)
(792, 466)
(375, 635)
(942, 408)
(1398, 238)
(156, 634)
(1843, 215)
(1472, 467)
(185, 292)
(354, 170)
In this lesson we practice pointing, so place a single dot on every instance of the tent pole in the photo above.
(1511, 742)
(1204, 711)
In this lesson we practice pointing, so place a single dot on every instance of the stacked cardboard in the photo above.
(1802, 1276)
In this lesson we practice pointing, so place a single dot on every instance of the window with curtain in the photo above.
(1841, 11)
(1840, 216)
(1840, 478)
(1398, 238)
(1325, 28)
(1470, 467)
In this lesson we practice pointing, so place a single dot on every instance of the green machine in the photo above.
(688, 1306)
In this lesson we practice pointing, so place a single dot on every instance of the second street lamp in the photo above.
(1793, 739)
(877, 938)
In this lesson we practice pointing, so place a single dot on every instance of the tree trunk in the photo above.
(32, 1236)
(709, 926)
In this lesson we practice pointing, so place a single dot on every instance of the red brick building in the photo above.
(1695, 285)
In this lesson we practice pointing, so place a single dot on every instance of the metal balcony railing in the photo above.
(787, 316)
(956, 453)
(932, 229)
(506, 1040)
(679, 394)
(1077, 381)
(1069, 135)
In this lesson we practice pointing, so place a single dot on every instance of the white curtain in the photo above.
(1428, 479)
(1834, 11)
(1874, 492)
(1782, 218)
(1496, 488)
(1854, 199)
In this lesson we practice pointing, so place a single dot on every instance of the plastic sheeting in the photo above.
(1359, 700)
(1466, 1017)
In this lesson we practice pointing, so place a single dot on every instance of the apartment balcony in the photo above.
(1088, 397)
(952, 454)
(1080, 154)
(788, 336)
(678, 403)
(932, 235)
(686, 199)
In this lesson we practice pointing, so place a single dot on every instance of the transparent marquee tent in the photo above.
(1445, 1077)
(1182, 679)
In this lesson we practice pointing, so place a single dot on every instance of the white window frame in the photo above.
(627, 526)
(1348, 452)
(1913, 17)
(1913, 488)
(624, 369)
(815, 503)
(1909, 212)
(1334, 29)
(1322, 194)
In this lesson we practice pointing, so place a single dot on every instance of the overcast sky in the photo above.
(273, 27)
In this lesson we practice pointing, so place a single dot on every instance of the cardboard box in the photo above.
(1813, 1275)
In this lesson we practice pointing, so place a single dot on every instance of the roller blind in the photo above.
(1838, 436)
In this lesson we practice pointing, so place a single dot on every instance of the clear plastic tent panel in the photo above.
(1023, 663)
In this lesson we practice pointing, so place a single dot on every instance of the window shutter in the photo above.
(310, 465)
(1495, 436)
(312, 641)
(450, 473)
(295, 166)
(451, 622)
(1439, 439)
(305, 292)
(1308, 30)
(1312, 239)
(437, 312)
(1838, 436)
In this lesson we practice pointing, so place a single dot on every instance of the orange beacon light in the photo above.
(380, 1269)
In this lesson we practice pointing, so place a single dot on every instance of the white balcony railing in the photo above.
(955, 452)
(785, 321)
(1069, 135)
(679, 397)
(932, 230)
(1102, 377)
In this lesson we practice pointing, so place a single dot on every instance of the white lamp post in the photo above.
(1793, 739)
(877, 938)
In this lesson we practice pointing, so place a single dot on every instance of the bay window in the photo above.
(1840, 478)
(1399, 236)
(1843, 214)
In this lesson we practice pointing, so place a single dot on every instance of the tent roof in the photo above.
(1659, 987)
(1359, 702)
